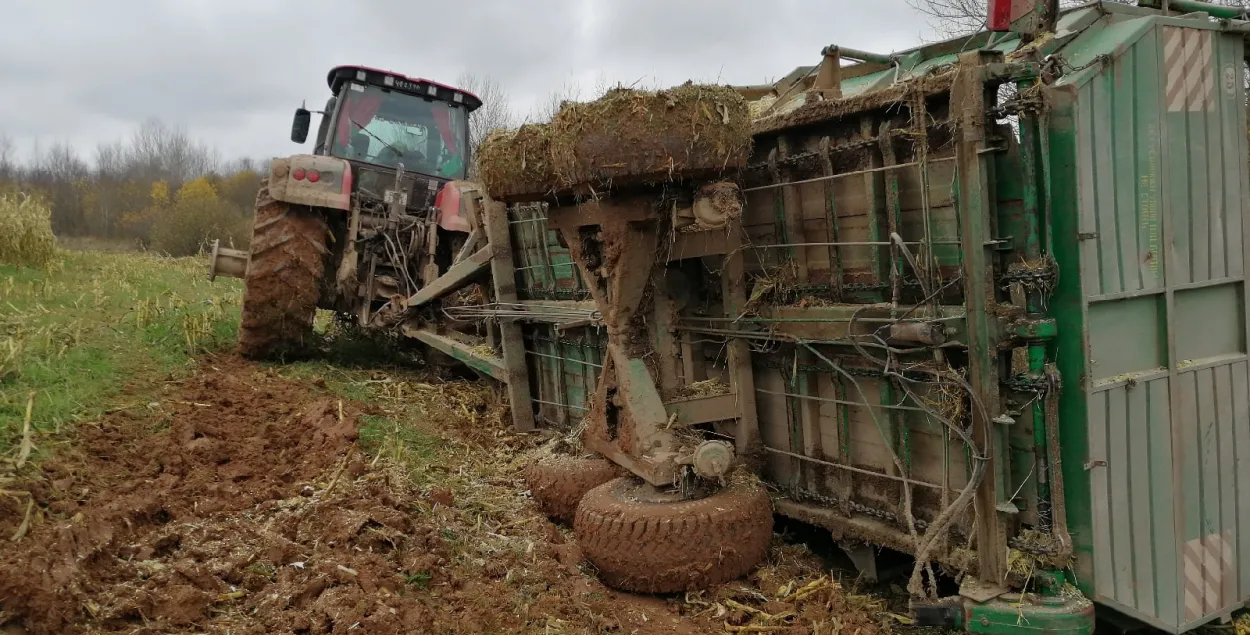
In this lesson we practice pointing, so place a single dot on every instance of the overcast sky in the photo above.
(231, 71)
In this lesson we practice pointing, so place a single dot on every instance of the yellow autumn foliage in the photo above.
(196, 218)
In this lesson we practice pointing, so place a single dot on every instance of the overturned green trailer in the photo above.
(984, 299)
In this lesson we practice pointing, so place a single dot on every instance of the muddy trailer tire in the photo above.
(642, 544)
(283, 280)
(558, 483)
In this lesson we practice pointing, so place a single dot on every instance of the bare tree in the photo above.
(161, 152)
(496, 112)
(8, 169)
(59, 171)
(543, 111)
(960, 17)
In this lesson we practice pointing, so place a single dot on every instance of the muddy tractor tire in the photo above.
(558, 483)
(643, 544)
(283, 280)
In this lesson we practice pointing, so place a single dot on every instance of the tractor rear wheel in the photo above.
(644, 541)
(283, 280)
(559, 482)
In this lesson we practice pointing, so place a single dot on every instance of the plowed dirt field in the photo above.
(245, 500)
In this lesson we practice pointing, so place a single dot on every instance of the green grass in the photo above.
(98, 331)
(384, 434)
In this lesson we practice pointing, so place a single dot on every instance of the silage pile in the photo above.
(25, 231)
(626, 138)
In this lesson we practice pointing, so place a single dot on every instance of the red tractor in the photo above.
(367, 219)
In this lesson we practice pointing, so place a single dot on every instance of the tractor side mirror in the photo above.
(299, 127)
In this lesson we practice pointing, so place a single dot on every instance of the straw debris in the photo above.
(706, 388)
(626, 138)
(516, 164)
(1024, 564)
(27, 238)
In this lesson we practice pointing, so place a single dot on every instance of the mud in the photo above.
(284, 274)
(241, 502)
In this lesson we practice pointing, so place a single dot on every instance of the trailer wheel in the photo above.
(283, 280)
(643, 542)
(558, 483)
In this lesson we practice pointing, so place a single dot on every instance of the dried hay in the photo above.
(761, 106)
(27, 238)
(626, 138)
(775, 285)
(820, 111)
(1025, 564)
(515, 165)
(706, 388)
(947, 397)
(1242, 624)
(786, 595)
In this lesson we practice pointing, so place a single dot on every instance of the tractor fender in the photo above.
(453, 201)
(306, 179)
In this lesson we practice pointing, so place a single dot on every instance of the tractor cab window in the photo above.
(386, 128)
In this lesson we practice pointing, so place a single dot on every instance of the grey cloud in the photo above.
(232, 70)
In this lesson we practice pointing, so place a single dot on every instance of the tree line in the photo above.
(163, 190)
(158, 188)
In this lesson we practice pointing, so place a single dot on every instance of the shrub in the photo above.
(196, 218)
(26, 231)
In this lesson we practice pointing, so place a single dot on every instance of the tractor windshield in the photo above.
(386, 127)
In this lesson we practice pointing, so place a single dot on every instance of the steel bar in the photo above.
(754, 320)
(490, 365)
(817, 179)
(1194, 6)
(574, 361)
(852, 244)
(455, 278)
(560, 405)
(503, 276)
(969, 96)
(843, 402)
(741, 375)
(849, 468)
(832, 228)
(857, 54)
(545, 266)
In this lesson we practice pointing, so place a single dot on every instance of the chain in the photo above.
(1043, 278)
(1035, 550)
(785, 362)
(1029, 383)
(539, 293)
(563, 342)
(775, 362)
(801, 157)
(850, 286)
(858, 508)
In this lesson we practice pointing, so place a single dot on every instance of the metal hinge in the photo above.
(1087, 235)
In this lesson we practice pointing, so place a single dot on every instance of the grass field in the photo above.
(100, 330)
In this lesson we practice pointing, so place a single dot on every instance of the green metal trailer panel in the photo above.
(1087, 258)
(1157, 467)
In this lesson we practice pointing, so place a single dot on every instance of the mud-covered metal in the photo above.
(1020, 271)
(306, 179)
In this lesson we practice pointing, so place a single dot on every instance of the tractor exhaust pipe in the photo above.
(231, 263)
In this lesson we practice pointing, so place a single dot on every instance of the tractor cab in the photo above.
(379, 119)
